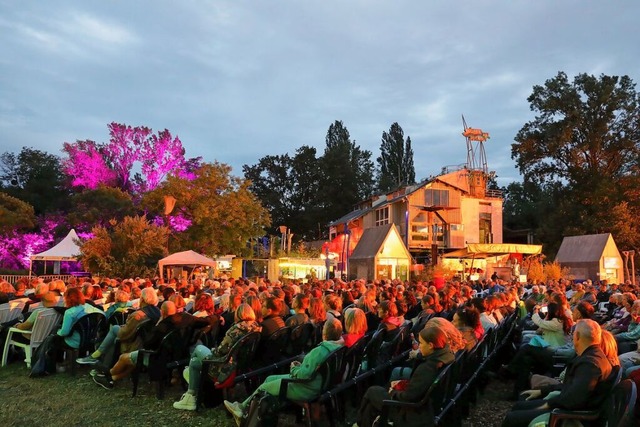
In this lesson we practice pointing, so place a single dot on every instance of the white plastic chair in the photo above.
(34, 305)
(46, 321)
(10, 311)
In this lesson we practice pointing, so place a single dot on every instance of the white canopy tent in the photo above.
(66, 250)
(186, 258)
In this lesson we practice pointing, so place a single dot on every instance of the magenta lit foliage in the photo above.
(112, 164)
(86, 165)
(85, 235)
(177, 223)
(16, 248)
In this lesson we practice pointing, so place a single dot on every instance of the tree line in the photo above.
(579, 161)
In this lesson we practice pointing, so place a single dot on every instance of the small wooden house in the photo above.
(593, 256)
(380, 254)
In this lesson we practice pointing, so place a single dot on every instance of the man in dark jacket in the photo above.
(588, 381)
(435, 349)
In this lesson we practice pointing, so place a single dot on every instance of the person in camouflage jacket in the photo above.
(245, 323)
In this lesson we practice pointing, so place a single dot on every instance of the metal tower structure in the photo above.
(476, 156)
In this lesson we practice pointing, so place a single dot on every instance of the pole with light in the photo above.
(325, 254)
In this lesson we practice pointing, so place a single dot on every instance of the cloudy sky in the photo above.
(238, 80)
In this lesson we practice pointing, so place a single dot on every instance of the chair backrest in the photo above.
(272, 348)
(330, 369)
(436, 395)
(244, 351)
(397, 344)
(8, 313)
(119, 317)
(623, 399)
(420, 324)
(316, 338)
(353, 357)
(299, 338)
(189, 307)
(373, 347)
(208, 335)
(89, 328)
(45, 323)
(34, 305)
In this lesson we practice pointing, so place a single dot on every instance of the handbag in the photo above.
(222, 371)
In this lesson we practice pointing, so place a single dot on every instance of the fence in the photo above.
(13, 278)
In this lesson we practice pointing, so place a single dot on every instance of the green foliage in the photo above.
(14, 213)
(99, 206)
(35, 177)
(346, 173)
(288, 189)
(224, 214)
(304, 192)
(130, 248)
(579, 158)
(395, 164)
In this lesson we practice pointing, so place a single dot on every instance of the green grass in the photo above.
(63, 400)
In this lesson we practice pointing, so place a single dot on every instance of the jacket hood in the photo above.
(442, 355)
(395, 321)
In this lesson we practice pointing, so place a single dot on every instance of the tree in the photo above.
(395, 164)
(271, 182)
(99, 207)
(15, 214)
(288, 189)
(131, 247)
(35, 177)
(585, 141)
(346, 174)
(90, 164)
(217, 211)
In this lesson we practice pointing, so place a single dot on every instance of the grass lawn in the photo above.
(63, 400)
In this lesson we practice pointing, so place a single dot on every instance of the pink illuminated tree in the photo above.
(112, 164)
(87, 165)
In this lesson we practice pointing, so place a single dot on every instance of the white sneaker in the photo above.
(186, 402)
(236, 410)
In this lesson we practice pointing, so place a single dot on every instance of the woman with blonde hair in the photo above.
(245, 323)
(355, 322)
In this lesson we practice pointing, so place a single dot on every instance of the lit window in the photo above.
(436, 197)
(382, 216)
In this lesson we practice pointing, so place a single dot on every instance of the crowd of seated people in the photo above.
(457, 316)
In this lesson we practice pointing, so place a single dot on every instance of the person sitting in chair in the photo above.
(437, 354)
(245, 323)
(332, 340)
(586, 385)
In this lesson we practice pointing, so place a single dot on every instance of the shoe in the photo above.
(185, 374)
(87, 360)
(97, 373)
(104, 382)
(186, 402)
(236, 410)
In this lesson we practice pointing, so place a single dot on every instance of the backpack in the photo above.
(263, 411)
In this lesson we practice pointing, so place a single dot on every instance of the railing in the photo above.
(496, 194)
(13, 278)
